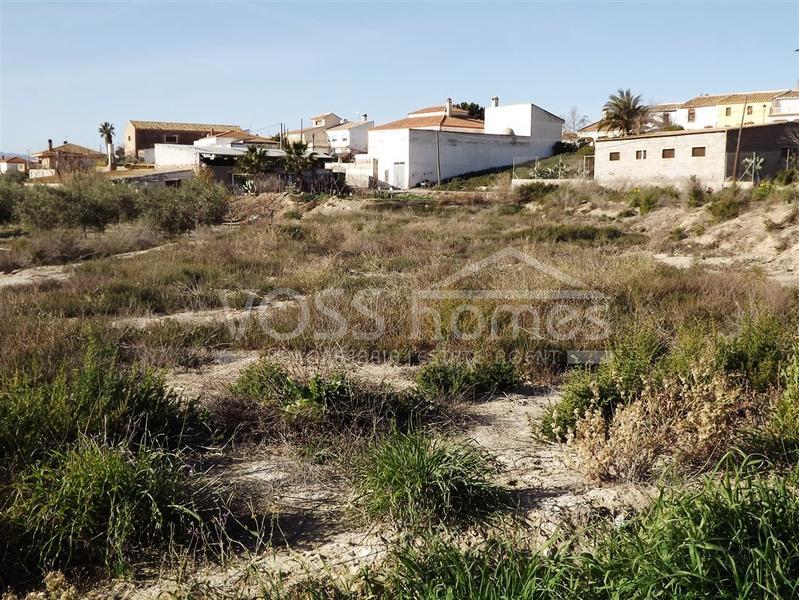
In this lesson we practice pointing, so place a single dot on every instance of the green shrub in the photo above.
(780, 435)
(97, 398)
(534, 192)
(728, 203)
(93, 502)
(786, 177)
(11, 194)
(618, 381)
(646, 199)
(696, 193)
(564, 232)
(446, 381)
(43, 208)
(185, 207)
(419, 481)
(757, 351)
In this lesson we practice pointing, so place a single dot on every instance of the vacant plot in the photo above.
(495, 396)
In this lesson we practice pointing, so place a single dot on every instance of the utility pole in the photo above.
(738, 143)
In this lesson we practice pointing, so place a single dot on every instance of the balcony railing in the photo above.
(783, 110)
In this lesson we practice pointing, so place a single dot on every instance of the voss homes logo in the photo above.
(565, 311)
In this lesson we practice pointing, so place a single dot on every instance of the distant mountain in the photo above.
(10, 154)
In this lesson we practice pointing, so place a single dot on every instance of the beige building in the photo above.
(674, 157)
(315, 135)
(65, 158)
(144, 135)
(11, 164)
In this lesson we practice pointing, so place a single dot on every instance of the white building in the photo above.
(315, 135)
(350, 137)
(11, 164)
(231, 143)
(785, 107)
(441, 142)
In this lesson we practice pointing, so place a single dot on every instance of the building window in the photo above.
(727, 111)
(640, 154)
(666, 119)
(668, 153)
(691, 115)
(698, 151)
(170, 139)
(128, 138)
(615, 156)
(749, 110)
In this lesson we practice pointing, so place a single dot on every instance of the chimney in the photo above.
(363, 117)
(495, 101)
(448, 108)
(49, 144)
(65, 142)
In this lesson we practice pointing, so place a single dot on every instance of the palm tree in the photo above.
(297, 160)
(253, 162)
(106, 131)
(624, 112)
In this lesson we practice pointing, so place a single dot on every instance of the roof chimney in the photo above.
(495, 101)
(65, 142)
(49, 144)
(448, 108)
(363, 117)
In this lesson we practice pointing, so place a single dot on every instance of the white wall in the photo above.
(786, 109)
(524, 119)
(354, 139)
(390, 146)
(6, 166)
(468, 152)
(706, 116)
(169, 155)
(655, 169)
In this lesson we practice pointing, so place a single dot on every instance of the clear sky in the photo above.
(68, 66)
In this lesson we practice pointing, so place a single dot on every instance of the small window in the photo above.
(727, 111)
(666, 119)
(615, 156)
(749, 110)
(698, 151)
(170, 139)
(668, 153)
(128, 138)
(691, 115)
(640, 154)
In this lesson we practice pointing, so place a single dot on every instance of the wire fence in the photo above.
(550, 168)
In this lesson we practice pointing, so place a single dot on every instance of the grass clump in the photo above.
(728, 203)
(98, 397)
(534, 192)
(418, 481)
(563, 232)
(94, 503)
(443, 380)
(322, 413)
(734, 536)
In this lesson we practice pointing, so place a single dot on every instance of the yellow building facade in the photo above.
(754, 108)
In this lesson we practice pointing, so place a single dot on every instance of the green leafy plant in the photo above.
(443, 380)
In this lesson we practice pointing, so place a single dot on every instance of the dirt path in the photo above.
(544, 474)
(35, 275)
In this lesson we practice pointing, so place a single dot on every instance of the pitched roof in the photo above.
(13, 159)
(432, 121)
(305, 130)
(735, 98)
(590, 127)
(323, 115)
(789, 94)
(172, 126)
(668, 107)
(752, 97)
(242, 135)
(71, 149)
(351, 125)
(439, 109)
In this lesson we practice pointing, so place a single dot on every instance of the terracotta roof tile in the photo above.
(433, 121)
(456, 112)
(71, 149)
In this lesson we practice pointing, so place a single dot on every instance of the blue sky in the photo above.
(68, 66)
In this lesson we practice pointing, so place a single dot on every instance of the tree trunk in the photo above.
(109, 147)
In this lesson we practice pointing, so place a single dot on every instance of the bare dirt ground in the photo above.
(310, 529)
